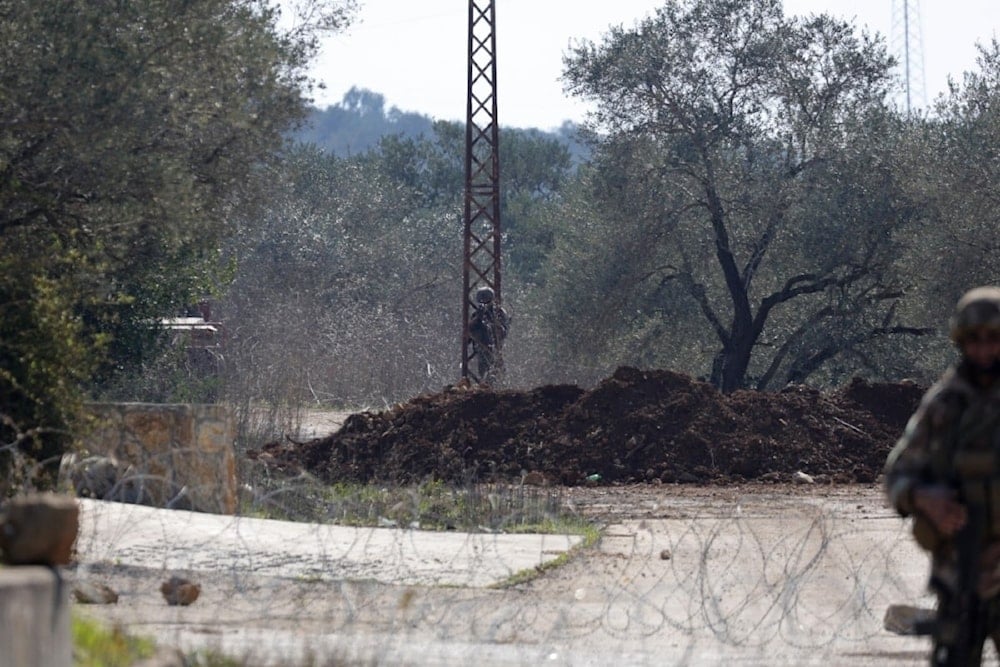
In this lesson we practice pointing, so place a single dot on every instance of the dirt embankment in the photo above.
(636, 426)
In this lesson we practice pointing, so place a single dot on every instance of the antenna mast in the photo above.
(907, 45)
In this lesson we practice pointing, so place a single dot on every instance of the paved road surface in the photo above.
(745, 576)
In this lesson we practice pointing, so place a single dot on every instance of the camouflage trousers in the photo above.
(959, 640)
(489, 366)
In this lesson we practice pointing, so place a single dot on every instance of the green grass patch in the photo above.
(97, 645)
(590, 534)
(432, 505)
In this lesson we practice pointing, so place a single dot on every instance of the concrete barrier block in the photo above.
(34, 618)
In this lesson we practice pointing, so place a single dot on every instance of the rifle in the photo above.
(962, 623)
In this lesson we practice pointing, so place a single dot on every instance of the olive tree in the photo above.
(958, 163)
(130, 132)
(743, 170)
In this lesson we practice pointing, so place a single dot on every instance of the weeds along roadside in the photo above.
(431, 505)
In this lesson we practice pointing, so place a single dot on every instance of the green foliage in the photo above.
(955, 160)
(743, 204)
(44, 356)
(95, 645)
(535, 170)
(178, 374)
(431, 505)
(347, 289)
(131, 135)
(430, 165)
(591, 534)
(536, 166)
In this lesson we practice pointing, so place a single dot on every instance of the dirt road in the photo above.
(754, 575)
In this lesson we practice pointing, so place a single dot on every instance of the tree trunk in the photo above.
(735, 360)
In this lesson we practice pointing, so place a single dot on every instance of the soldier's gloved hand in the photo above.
(941, 507)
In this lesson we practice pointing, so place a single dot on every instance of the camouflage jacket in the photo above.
(488, 325)
(951, 441)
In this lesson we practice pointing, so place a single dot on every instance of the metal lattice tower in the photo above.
(907, 45)
(481, 265)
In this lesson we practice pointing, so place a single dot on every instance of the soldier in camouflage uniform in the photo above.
(488, 329)
(945, 472)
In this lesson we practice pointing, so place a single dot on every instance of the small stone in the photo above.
(89, 592)
(666, 555)
(905, 619)
(802, 478)
(180, 591)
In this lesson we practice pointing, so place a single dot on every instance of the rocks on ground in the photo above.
(180, 591)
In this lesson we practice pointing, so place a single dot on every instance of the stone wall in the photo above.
(168, 455)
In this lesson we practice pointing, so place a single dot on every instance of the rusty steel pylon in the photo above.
(481, 264)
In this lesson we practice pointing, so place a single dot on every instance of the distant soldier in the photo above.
(945, 472)
(487, 330)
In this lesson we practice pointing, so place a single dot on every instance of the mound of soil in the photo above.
(636, 426)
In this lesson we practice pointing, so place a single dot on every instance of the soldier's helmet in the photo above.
(484, 295)
(978, 308)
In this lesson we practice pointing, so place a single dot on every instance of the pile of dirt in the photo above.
(635, 427)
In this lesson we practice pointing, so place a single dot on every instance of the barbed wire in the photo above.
(678, 578)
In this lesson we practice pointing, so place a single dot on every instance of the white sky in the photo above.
(414, 52)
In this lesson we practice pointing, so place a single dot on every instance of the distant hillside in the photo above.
(360, 120)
